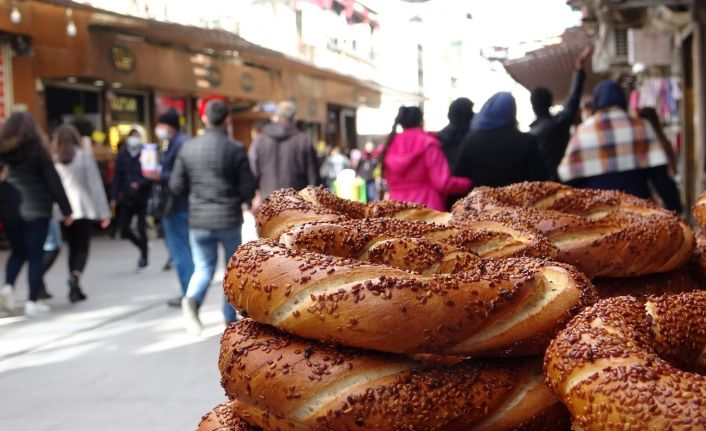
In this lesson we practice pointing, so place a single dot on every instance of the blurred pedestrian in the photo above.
(175, 217)
(82, 182)
(132, 190)
(29, 185)
(496, 153)
(213, 171)
(282, 156)
(333, 165)
(367, 166)
(552, 131)
(460, 116)
(614, 151)
(414, 165)
(52, 247)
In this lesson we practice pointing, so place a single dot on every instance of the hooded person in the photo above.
(282, 156)
(613, 151)
(415, 167)
(495, 153)
(460, 116)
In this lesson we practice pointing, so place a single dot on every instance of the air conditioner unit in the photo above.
(611, 51)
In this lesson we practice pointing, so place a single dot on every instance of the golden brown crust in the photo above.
(225, 417)
(698, 211)
(367, 239)
(680, 280)
(314, 386)
(484, 311)
(383, 242)
(616, 365)
(287, 208)
(603, 233)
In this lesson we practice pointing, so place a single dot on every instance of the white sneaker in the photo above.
(37, 308)
(7, 297)
(192, 323)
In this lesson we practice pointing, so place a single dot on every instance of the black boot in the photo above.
(75, 293)
(43, 294)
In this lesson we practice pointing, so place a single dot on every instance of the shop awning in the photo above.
(220, 44)
(552, 66)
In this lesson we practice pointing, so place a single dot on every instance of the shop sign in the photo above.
(213, 75)
(122, 59)
(125, 107)
(247, 82)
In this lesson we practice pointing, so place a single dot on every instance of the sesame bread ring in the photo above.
(680, 280)
(226, 417)
(298, 384)
(603, 233)
(375, 238)
(288, 208)
(322, 197)
(698, 211)
(625, 365)
(500, 308)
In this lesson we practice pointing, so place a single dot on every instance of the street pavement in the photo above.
(120, 360)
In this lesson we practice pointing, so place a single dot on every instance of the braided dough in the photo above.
(624, 365)
(288, 208)
(603, 233)
(367, 239)
(684, 279)
(297, 384)
(698, 211)
(507, 307)
(225, 417)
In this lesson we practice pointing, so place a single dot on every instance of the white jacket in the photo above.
(84, 187)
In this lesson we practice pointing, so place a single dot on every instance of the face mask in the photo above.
(134, 145)
(162, 133)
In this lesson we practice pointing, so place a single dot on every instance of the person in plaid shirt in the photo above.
(614, 151)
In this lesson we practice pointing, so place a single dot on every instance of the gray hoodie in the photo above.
(283, 157)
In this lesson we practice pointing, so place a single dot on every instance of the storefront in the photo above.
(120, 72)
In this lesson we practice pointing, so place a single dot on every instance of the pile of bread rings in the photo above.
(534, 306)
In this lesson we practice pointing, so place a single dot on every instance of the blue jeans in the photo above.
(204, 247)
(176, 235)
(27, 242)
(371, 191)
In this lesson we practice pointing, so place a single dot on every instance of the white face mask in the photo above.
(134, 145)
(162, 133)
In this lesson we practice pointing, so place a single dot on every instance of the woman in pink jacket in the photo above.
(414, 166)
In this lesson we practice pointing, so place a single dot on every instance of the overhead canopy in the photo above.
(552, 66)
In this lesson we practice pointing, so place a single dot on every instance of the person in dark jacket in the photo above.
(553, 131)
(613, 151)
(29, 186)
(460, 116)
(132, 190)
(175, 220)
(282, 156)
(496, 153)
(213, 171)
